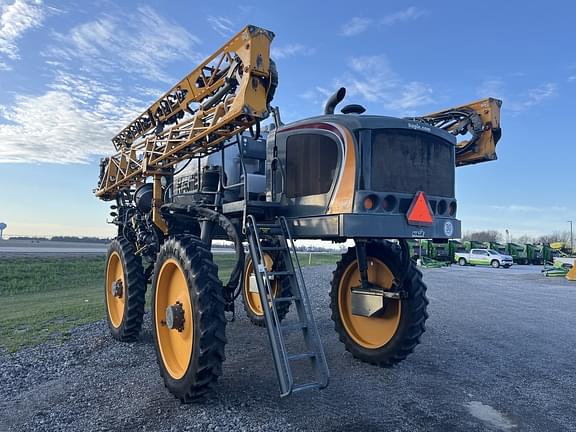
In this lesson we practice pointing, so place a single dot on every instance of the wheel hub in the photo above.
(175, 317)
(117, 288)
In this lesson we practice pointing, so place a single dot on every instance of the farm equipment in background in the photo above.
(549, 253)
(438, 251)
(474, 244)
(429, 254)
(334, 177)
(518, 252)
(455, 246)
(428, 262)
(535, 253)
(498, 247)
(555, 270)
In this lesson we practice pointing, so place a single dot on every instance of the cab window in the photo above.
(311, 163)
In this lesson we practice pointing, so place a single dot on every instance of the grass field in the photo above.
(43, 298)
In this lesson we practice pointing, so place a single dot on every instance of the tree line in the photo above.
(498, 237)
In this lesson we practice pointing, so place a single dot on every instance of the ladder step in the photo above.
(285, 299)
(268, 225)
(294, 326)
(280, 273)
(308, 386)
(302, 356)
(271, 236)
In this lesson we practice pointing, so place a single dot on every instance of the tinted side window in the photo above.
(311, 163)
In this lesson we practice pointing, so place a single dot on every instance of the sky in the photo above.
(73, 73)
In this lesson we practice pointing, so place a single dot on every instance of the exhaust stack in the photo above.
(334, 100)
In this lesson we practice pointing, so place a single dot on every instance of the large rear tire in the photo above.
(389, 338)
(188, 318)
(124, 290)
(251, 297)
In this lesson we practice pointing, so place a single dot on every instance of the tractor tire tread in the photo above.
(417, 303)
(209, 352)
(131, 325)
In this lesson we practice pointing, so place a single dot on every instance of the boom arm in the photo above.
(481, 120)
(226, 94)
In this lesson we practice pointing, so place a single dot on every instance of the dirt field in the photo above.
(498, 355)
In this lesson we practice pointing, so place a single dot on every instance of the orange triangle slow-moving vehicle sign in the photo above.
(419, 212)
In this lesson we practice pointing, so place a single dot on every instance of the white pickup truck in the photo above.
(483, 257)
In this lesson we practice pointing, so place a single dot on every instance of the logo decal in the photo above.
(448, 228)
(418, 126)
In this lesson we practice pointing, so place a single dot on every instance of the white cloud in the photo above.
(372, 79)
(142, 43)
(223, 26)
(359, 25)
(409, 14)
(70, 123)
(15, 19)
(517, 102)
(355, 26)
(290, 50)
(572, 78)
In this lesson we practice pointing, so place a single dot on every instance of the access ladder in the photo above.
(276, 237)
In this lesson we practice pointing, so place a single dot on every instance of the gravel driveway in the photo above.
(498, 355)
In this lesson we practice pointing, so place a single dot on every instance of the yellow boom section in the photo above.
(226, 94)
(479, 121)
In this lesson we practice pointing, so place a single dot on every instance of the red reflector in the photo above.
(419, 212)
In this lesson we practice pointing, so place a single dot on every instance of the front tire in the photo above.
(391, 337)
(495, 264)
(462, 261)
(124, 290)
(188, 318)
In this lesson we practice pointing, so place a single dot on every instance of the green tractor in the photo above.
(518, 252)
(549, 253)
(535, 253)
(498, 247)
(438, 251)
(455, 246)
(474, 244)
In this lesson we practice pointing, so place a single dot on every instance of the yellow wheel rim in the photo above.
(368, 332)
(253, 298)
(175, 346)
(115, 275)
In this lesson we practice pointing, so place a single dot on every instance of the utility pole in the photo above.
(571, 238)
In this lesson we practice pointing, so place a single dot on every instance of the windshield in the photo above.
(493, 252)
(409, 161)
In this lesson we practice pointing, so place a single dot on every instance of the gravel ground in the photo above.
(497, 355)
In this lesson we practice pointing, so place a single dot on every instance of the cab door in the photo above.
(310, 161)
(479, 257)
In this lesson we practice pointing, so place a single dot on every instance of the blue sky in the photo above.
(72, 73)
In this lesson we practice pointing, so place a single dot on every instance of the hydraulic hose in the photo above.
(194, 212)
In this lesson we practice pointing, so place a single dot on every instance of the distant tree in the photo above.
(556, 236)
(523, 239)
(483, 236)
(75, 239)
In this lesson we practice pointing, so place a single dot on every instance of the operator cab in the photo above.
(356, 175)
